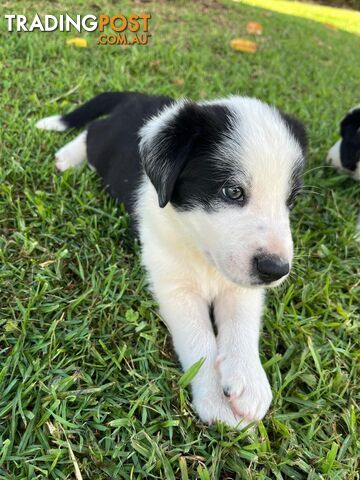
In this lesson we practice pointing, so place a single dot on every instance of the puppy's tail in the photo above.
(102, 104)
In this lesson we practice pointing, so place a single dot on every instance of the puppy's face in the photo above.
(345, 154)
(231, 169)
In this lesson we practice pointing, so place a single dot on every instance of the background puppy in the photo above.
(210, 185)
(345, 154)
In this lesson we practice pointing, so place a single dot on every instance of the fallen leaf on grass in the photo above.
(155, 63)
(78, 42)
(177, 81)
(242, 45)
(254, 28)
(46, 263)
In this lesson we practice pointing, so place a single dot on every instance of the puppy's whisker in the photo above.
(311, 187)
(319, 167)
(312, 191)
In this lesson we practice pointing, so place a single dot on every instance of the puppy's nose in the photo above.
(270, 267)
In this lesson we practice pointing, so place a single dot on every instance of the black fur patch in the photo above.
(212, 319)
(298, 130)
(296, 184)
(102, 104)
(350, 145)
(113, 142)
(180, 160)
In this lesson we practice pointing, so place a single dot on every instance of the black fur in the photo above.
(113, 142)
(298, 130)
(296, 184)
(98, 106)
(350, 144)
(181, 160)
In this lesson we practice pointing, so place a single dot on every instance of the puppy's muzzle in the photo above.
(270, 268)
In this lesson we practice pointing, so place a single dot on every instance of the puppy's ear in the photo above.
(350, 124)
(350, 144)
(170, 140)
(297, 128)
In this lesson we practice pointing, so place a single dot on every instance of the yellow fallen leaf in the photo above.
(254, 28)
(78, 42)
(177, 81)
(242, 45)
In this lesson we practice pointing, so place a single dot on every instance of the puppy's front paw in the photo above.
(211, 409)
(247, 388)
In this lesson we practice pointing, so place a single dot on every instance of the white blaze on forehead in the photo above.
(261, 144)
(266, 142)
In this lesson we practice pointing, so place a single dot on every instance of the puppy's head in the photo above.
(345, 154)
(231, 170)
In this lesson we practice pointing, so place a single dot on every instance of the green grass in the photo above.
(88, 378)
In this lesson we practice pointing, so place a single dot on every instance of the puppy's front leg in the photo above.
(187, 317)
(238, 317)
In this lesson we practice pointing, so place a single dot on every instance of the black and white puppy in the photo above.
(210, 184)
(345, 154)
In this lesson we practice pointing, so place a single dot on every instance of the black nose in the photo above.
(270, 267)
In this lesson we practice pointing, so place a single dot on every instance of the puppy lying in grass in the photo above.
(345, 154)
(210, 185)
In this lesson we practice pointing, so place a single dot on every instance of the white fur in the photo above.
(196, 258)
(52, 123)
(185, 282)
(333, 157)
(356, 173)
(73, 154)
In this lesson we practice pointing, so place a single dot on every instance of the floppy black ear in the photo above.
(169, 140)
(350, 124)
(350, 144)
(297, 128)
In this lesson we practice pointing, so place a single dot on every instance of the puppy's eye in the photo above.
(235, 194)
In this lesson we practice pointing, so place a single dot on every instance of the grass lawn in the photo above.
(88, 379)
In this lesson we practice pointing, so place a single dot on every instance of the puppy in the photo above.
(210, 185)
(345, 154)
